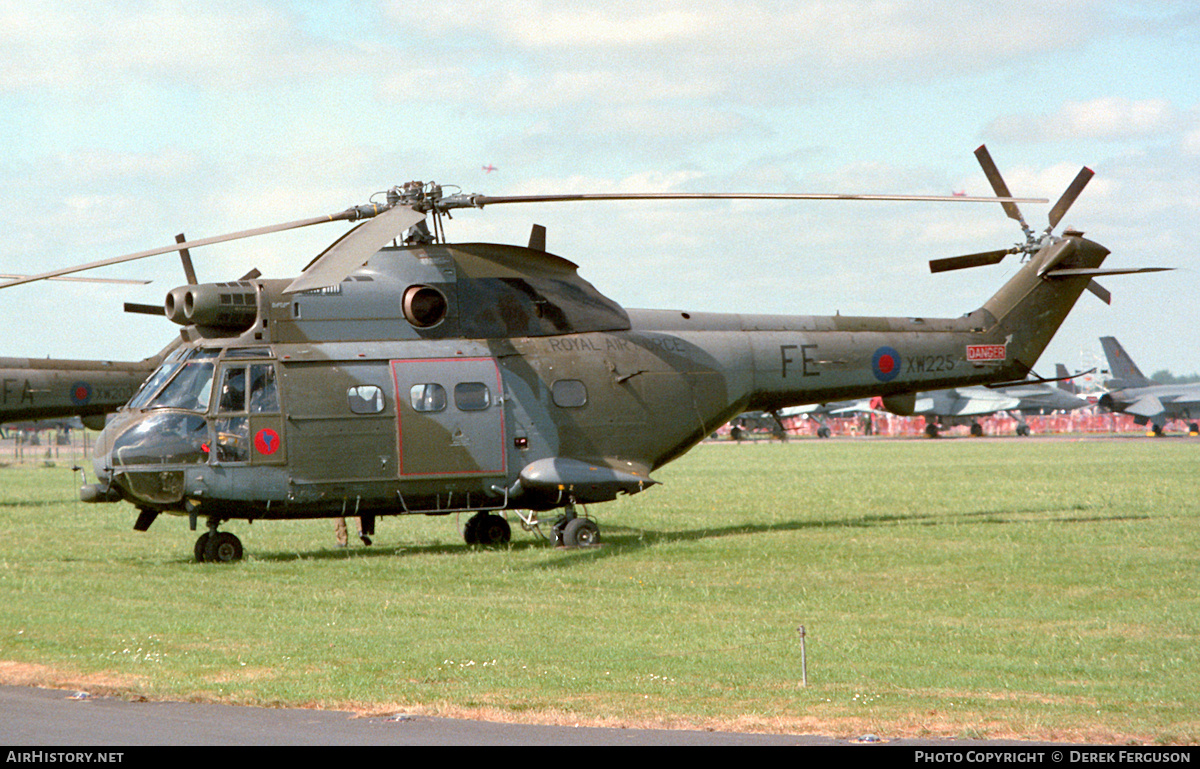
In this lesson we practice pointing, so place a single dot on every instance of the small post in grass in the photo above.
(803, 658)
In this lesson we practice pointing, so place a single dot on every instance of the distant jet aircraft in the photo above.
(1131, 392)
(943, 408)
(820, 412)
(489, 168)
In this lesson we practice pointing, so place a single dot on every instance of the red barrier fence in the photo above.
(1080, 421)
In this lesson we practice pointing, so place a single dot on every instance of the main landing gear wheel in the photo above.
(976, 430)
(931, 430)
(217, 547)
(487, 529)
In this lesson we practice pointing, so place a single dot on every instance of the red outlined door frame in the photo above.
(450, 442)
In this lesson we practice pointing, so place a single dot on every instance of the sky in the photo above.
(124, 124)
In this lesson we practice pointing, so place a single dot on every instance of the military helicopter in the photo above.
(436, 378)
(53, 388)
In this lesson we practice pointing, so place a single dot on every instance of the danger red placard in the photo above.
(977, 353)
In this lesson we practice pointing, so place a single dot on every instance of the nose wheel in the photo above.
(572, 531)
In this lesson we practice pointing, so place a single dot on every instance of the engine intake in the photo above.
(227, 306)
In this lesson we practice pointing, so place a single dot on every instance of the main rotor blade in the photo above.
(352, 251)
(1068, 197)
(122, 281)
(349, 214)
(997, 181)
(145, 309)
(189, 272)
(969, 260)
(486, 200)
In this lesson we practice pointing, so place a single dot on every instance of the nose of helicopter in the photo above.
(141, 457)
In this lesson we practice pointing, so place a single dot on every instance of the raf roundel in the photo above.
(885, 364)
(81, 393)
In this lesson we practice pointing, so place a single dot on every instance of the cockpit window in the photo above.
(233, 390)
(144, 397)
(151, 385)
(190, 389)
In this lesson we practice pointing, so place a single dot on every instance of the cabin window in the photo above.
(427, 397)
(569, 393)
(259, 379)
(366, 399)
(472, 396)
(264, 395)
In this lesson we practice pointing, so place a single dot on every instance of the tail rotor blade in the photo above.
(969, 260)
(997, 181)
(1068, 197)
(1100, 291)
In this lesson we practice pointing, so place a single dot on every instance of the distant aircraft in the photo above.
(1131, 392)
(489, 168)
(820, 412)
(941, 408)
(965, 404)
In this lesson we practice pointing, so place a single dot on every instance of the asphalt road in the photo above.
(50, 717)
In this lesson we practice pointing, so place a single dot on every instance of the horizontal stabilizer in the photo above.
(1073, 272)
(975, 406)
(1147, 406)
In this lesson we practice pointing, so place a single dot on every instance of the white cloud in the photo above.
(65, 46)
(755, 50)
(1105, 118)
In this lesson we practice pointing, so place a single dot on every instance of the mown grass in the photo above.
(1039, 588)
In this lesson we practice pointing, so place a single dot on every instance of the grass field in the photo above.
(1035, 588)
